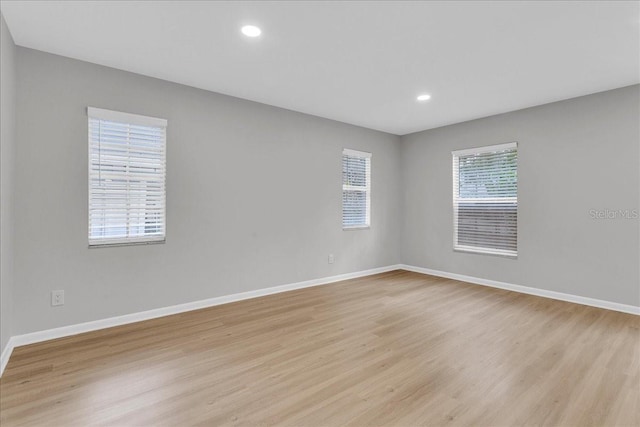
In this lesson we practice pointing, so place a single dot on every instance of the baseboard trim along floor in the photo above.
(609, 305)
(65, 331)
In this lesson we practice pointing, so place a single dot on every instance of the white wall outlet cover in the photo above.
(57, 297)
(331, 259)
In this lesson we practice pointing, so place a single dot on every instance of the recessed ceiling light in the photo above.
(423, 97)
(251, 31)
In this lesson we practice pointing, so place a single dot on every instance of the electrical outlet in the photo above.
(57, 297)
(331, 259)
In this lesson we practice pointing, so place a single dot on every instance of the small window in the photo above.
(356, 189)
(127, 169)
(485, 200)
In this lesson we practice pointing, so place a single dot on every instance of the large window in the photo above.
(356, 189)
(485, 200)
(126, 178)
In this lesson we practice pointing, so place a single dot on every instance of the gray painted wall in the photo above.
(574, 156)
(254, 196)
(7, 150)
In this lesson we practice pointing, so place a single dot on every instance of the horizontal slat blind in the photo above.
(127, 169)
(356, 189)
(485, 199)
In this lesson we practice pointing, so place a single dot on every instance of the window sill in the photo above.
(486, 252)
(356, 227)
(119, 244)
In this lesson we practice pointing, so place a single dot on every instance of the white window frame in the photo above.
(456, 176)
(131, 119)
(367, 189)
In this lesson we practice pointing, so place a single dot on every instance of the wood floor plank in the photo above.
(394, 349)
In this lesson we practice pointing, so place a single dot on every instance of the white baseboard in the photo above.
(70, 330)
(65, 331)
(609, 305)
(6, 354)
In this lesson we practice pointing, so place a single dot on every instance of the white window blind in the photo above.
(485, 199)
(356, 189)
(127, 169)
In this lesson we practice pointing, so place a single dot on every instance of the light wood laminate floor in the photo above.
(395, 349)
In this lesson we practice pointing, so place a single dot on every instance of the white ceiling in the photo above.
(357, 62)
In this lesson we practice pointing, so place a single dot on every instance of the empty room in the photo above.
(320, 213)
